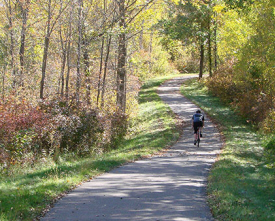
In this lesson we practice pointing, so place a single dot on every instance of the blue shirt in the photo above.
(197, 117)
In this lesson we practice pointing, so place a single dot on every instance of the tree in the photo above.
(127, 14)
(246, 36)
(52, 19)
(68, 54)
(121, 62)
(109, 38)
(190, 22)
(238, 4)
(209, 36)
(24, 8)
(79, 45)
(10, 12)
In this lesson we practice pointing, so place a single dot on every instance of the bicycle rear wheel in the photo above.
(198, 137)
(198, 142)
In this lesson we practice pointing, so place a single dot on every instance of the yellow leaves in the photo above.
(267, 126)
(176, 1)
(218, 8)
(196, 3)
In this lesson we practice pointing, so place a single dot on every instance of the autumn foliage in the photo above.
(55, 126)
(20, 123)
(70, 56)
(248, 95)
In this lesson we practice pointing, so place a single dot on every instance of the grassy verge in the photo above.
(26, 192)
(242, 182)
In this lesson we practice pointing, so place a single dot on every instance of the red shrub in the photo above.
(20, 123)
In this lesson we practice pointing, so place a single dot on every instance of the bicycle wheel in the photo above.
(198, 141)
(198, 137)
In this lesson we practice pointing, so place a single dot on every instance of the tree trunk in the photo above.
(100, 71)
(51, 21)
(121, 63)
(24, 12)
(64, 46)
(150, 51)
(68, 55)
(68, 69)
(79, 43)
(87, 70)
(141, 36)
(201, 60)
(14, 80)
(45, 54)
(215, 43)
(105, 70)
(62, 72)
(44, 65)
(3, 83)
(209, 49)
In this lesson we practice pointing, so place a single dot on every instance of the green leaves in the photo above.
(239, 4)
(186, 21)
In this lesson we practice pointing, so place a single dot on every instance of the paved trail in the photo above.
(168, 187)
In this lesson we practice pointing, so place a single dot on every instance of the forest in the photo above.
(71, 70)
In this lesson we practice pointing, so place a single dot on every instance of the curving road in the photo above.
(168, 187)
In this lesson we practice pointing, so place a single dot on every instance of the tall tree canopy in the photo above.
(191, 22)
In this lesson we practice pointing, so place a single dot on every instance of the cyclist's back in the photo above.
(198, 117)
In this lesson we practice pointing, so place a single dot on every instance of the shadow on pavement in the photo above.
(168, 187)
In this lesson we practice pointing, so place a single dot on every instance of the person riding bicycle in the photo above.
(197, 122)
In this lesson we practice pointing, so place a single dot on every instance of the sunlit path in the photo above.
(168, 187)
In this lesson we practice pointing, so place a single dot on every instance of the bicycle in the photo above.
(197, 124)
(198, 137)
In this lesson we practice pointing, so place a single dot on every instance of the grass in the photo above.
(241, 184)
(26, 192)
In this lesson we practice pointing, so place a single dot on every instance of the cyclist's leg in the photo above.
(195, 133)
(201, 129)
(199, 132)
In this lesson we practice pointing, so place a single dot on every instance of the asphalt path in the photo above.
(167, 187)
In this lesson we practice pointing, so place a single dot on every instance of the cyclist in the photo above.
(197, 122)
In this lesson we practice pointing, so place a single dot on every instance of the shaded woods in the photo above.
(70, 74)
